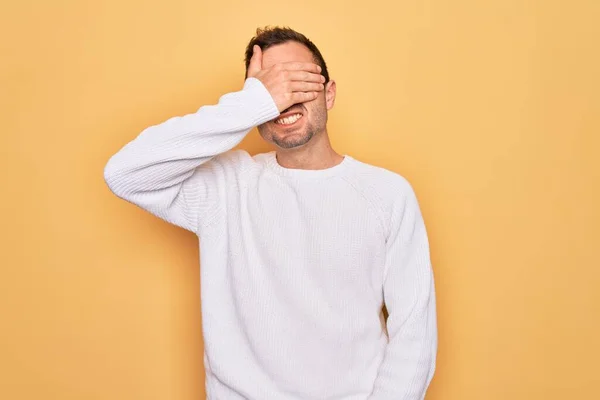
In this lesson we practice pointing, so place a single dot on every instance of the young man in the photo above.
(300, 247)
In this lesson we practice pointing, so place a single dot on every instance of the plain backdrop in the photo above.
(491, 109)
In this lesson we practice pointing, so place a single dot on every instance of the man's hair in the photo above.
(271, 36)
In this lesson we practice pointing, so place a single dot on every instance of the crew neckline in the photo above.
(273, 165)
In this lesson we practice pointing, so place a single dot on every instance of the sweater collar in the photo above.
(274, 166)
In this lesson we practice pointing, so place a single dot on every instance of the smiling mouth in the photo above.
(288, 119)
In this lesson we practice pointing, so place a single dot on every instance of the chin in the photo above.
(292, 141)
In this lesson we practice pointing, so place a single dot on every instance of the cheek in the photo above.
(316, 105)
(263, 130)
(321, 98)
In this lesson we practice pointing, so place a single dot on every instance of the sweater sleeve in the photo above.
(166, 169)
(409, 362)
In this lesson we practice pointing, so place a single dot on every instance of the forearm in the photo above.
(166, 154)
(409, 363)
(409, 294)
(160, 169)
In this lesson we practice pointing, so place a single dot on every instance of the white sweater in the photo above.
(296, 264)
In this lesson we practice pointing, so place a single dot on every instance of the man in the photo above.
(300, 247)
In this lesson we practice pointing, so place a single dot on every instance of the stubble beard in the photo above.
(293, 142)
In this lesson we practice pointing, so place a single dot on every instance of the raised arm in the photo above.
(166, 169)
(160, 169)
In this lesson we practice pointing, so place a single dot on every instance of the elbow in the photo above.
(113, 179)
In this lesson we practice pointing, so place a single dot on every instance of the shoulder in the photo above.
(241, 159)
(389, 192)
(263, 158)
(230, 166)
(232, 158)
(232, 162)
(376, 181)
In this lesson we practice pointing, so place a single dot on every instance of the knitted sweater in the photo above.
(295, 264)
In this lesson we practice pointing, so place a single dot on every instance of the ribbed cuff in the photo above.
(264, 108)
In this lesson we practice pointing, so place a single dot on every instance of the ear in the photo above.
(330, 91)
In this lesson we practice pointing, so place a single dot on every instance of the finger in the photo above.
(303, 97)
(255, 64)
(302, 86)
(300, 66)
(305, 76)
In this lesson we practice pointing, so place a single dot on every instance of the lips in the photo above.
(289, 116)
(288, 119)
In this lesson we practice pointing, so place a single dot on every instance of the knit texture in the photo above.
(295, 264)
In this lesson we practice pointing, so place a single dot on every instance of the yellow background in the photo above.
(490, 108)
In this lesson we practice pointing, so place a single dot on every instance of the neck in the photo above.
(316, 154)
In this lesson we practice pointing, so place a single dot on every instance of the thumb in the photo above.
(255, 64)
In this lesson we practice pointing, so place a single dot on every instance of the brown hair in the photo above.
(271, 36)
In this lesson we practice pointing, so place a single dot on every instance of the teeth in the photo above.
(288, 120)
